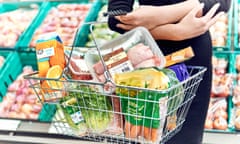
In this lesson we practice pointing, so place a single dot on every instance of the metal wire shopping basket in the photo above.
(108, 112)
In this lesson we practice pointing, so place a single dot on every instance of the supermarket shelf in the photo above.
(39, 132)
(221, 138)
(34, 132)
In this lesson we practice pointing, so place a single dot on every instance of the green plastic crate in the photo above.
(45, 8)
(234, 71)
(13, 67)
(11, 6)
(228, 45)
(228, 56)
(6, 55)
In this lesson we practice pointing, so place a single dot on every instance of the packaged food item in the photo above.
(221, 85)
(77, 65)
(180, 70)
(220, 64)
(132, 50)
(51, 62)
(95, 108)
(179, 56)
(73, 115)
(145, 108)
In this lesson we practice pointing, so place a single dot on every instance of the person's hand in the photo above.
(145, 16)
(192, 25)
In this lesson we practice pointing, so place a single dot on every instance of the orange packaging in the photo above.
(179, 56)
(51, 61)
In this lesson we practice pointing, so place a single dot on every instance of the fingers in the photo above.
(125, 18)
(196, 9)
(125, 27)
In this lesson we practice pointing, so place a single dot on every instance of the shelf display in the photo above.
(20, 101)
(63, 19)
(102, 33)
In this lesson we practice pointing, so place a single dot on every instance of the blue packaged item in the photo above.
(181, 71)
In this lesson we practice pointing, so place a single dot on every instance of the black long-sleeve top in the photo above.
(165, 45)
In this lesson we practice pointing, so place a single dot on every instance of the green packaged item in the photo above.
(95, 108)
(73, 115)
(141, 106)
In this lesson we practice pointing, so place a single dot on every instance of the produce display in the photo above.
(20, 101)
(64, 19)
(102, 33)
(219, 31)
(222, 80)
(14, 23)
(236, 118)
(217, 115)
(236, 94)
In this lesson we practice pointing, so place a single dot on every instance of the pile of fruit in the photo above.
(63, 19)
(13, 24)
(20, 101)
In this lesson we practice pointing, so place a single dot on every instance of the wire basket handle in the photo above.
(106, 71)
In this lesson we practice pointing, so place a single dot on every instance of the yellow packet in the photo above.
(179, 56)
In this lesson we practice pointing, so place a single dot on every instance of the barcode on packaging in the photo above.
(118, 62)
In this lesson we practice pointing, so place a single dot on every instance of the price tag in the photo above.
(9, 124)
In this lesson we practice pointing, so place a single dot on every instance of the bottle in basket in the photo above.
(51, 62)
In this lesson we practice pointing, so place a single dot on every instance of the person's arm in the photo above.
(152, 16)
(145, 15)
(190, 26)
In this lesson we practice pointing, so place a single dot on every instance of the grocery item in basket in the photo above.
(95, 107)
(180, 70)
(77, 65)
(179, 56)
(145, 109)
(51, 62)
(73, 115)
(127, 52)
(50, 51)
